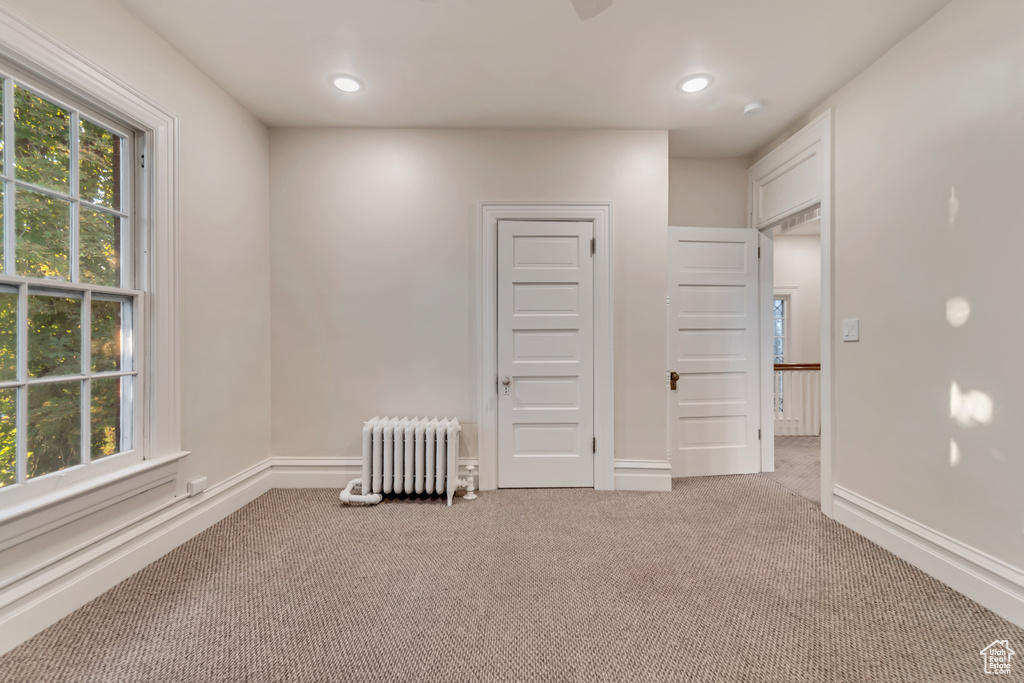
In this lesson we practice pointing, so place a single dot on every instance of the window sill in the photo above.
(24, 521)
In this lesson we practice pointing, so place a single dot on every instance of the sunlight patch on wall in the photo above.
(954, 454)
(970, 408)
(958, 311)
(954, 206)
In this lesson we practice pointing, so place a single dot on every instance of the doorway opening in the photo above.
(788, 183)
(795, 321)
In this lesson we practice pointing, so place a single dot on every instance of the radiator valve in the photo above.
(470, 488)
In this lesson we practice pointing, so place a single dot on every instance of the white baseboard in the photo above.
(311, 473)
(50, 591)
(314, 473)
(630, 475)
(988, 581)
(643, 475)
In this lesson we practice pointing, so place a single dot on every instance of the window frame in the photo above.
(27, 286)
(791, 349)
(780, 357)
(791, 340)
(130, 175)
(778, 383)
(41, 62)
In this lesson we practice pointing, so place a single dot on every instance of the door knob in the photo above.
(673, 377)
(506, 381)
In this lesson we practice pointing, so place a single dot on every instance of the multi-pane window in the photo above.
(68, 303)
(779, 330)
(779, 306)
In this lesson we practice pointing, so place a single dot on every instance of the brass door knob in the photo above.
(673, 377)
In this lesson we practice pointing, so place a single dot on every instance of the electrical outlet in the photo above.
(196, 486)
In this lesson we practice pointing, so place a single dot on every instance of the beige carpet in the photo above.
(724, 579)
(798, 465)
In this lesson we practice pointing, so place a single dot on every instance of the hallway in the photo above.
(798, 465)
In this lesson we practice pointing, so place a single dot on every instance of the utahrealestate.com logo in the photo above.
(997, 657)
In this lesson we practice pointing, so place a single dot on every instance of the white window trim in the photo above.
(792, 297)
(159, 435)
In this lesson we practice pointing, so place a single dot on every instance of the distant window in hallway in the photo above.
(780, 308)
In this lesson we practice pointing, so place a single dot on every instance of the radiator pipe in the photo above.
(468, 484)
(347, 496)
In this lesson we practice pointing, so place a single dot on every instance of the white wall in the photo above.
(373, 249)
(708, 193)
(941, 110)
(797, 261)
(223, 253)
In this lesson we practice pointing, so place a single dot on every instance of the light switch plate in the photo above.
(851, 330)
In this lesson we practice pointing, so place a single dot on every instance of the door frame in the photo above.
(600, 214)
(766, 283)
(813, 141)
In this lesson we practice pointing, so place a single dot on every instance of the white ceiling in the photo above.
(534, 64)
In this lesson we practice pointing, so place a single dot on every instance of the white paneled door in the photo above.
(545, 354)
(714, 349)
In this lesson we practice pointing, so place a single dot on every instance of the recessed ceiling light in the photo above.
(696, 83)
(346, 83)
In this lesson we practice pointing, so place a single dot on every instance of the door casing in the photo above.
(600, 213)
(813, 139)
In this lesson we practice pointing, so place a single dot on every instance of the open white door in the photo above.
(714, 349)
(545, 354)
(766, 261)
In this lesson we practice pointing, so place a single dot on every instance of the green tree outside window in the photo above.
(68, 226)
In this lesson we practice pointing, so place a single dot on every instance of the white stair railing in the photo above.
(797, 399)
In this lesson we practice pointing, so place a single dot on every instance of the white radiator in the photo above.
(410, 455)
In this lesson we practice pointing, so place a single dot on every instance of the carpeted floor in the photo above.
(724, 579)
(798, 465)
